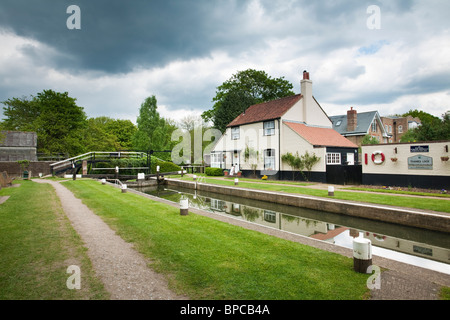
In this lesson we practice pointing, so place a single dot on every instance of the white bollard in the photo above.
(362, 254)
(195, 177)
(331, 191)
(236, 181)
(124, 188)
(103, 181)
(184, 207)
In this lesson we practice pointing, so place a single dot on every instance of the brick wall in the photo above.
(15, 170)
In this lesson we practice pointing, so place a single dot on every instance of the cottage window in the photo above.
(269, 159)
(217, 160)
(269, 128)
(333, 158)
(235, 133)
(400, 129)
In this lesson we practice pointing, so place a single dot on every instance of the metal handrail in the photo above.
(89, 155)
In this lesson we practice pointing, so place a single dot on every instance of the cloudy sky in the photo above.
(391, 60)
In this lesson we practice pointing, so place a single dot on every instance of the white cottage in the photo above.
(256, 140)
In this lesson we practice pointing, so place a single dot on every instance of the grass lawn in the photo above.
(207, 259)
(435, 204)
(37, 245)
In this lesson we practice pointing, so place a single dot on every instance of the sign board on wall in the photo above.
(420, 149)
(420, 162)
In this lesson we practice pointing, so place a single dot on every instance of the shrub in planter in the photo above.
(214, 172)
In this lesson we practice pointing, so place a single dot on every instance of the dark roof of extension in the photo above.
(265, 111)
(364, 121)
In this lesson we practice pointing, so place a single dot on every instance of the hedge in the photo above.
(214, 172)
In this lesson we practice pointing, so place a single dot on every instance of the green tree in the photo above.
(368, 139)
(55, 117)
(294, 161)
(124, 131)
(251, 86)
(20, 114)
(233, 104)
(309, 160)
(430, 130)
(299, 163)
(422, 115)
(153, 131)
(97, 137)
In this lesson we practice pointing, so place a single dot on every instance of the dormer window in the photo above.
(269, 128)
(338, 123)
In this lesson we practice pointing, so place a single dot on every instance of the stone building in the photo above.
(18, 145)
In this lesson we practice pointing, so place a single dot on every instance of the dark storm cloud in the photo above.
(116, 36)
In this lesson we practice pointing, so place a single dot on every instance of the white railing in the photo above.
(90, 155)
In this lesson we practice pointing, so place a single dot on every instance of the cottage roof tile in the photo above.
(274, 109)
(320, 136)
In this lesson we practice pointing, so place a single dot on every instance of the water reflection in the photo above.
(411, 245)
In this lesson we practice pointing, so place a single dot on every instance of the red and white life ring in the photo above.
(378, 160)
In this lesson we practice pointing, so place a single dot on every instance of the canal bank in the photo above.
(399, 280)
(430, 220)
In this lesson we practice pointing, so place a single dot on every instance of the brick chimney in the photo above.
(352, 120)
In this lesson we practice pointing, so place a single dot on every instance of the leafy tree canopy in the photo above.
(422, 115)
(241, 91)
(432, 130)
(54, 116)
(153, 131)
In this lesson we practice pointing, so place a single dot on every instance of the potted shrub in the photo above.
(239, 173)
(225, 172)
(444, 158)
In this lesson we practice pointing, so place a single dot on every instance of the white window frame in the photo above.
(217, 160)
(374, 126)
(269, 160)
(400, 129)
(235, 133)
(269, 128)
(333, 158)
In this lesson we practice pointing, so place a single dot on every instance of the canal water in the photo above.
(423, 248)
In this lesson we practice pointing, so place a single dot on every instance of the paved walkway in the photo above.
(123, 271)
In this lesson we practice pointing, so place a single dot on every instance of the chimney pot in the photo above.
(305, 75)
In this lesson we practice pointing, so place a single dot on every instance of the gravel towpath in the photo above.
(123, 271)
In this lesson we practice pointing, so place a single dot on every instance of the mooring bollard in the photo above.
(124, 188)
(236, 181)
(362, 254)
(331, 191)
(184, 207)
(194, 177)
(103, 181)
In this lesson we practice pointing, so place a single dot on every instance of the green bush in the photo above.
(164, 166)
(214, 172)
